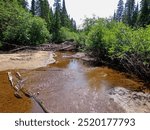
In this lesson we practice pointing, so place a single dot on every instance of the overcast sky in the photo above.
(79, 9)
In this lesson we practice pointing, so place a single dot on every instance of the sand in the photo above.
(26, 60)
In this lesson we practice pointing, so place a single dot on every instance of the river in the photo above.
(71, 85)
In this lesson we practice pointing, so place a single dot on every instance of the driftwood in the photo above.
(21, 48)
(18, 89)
(11, 81)
(67, 48)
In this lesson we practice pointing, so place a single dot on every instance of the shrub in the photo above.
(67, 34)
(20, 27)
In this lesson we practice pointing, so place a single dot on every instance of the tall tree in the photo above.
(38, 5)
(43, 10)
(135, 16)
(45, 13)
(57, 20)
(33, 11)
(64, 16)
(119, 13)
(114, 16)
(128, 12)
(144, 18)
(73, 24)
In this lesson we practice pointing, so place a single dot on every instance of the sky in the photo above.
(80, 9)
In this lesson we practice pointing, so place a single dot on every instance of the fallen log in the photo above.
(29, 94)
(11, 81)
(20, 48)
(67, 48)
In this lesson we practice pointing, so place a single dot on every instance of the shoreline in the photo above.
(26, 60)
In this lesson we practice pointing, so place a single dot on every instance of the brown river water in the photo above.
(69, 85)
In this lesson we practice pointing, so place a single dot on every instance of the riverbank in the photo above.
(26, 60)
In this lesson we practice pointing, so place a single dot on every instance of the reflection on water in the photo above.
(98, 76)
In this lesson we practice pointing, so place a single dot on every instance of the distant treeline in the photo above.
(133, 14)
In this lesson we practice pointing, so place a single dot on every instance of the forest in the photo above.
(121, 41)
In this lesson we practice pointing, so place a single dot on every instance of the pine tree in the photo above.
(57, 21)
(144, 18)
(43, 10)
(64, 16)
(135, 16)
(73, 25)
(114, 16)
(38, 6)
(128, 12)
(45, 13)
(120, 11)
(33, 7)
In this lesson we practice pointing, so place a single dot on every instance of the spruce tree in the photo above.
(144, 18)
(114, 16)
(33, 7)
(128, 12)
(43, 10)
(45, 13)
(73, 25)
(57, 21)
(38, 5)
(135, 16)
(119, 11)
(64, 16)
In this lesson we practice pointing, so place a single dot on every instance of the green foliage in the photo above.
(119, 12)
(117, 44)
(129, 12)
(38, 31)
(33, 7)
(23, 3)
(0, 44)
(144, 18)
(115, 39)
(20, 27)
(67, 34)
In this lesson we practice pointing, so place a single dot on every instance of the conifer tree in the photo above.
(42, 9)
(33, 7)
(128, 12)
(73, 26)
(57, 21)
(114, 16)
(144, 18)
(64, 16)
(119, 13)
(38, 6)
(135, 16)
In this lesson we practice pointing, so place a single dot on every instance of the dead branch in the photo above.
(11, 81)
(18, 87)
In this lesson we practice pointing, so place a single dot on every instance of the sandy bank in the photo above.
(26, 60)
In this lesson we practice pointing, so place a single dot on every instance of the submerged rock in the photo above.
(130, 101)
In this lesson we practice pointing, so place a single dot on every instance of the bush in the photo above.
(67, 34)
(20, 27)
(38, 31)
(117, 44)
